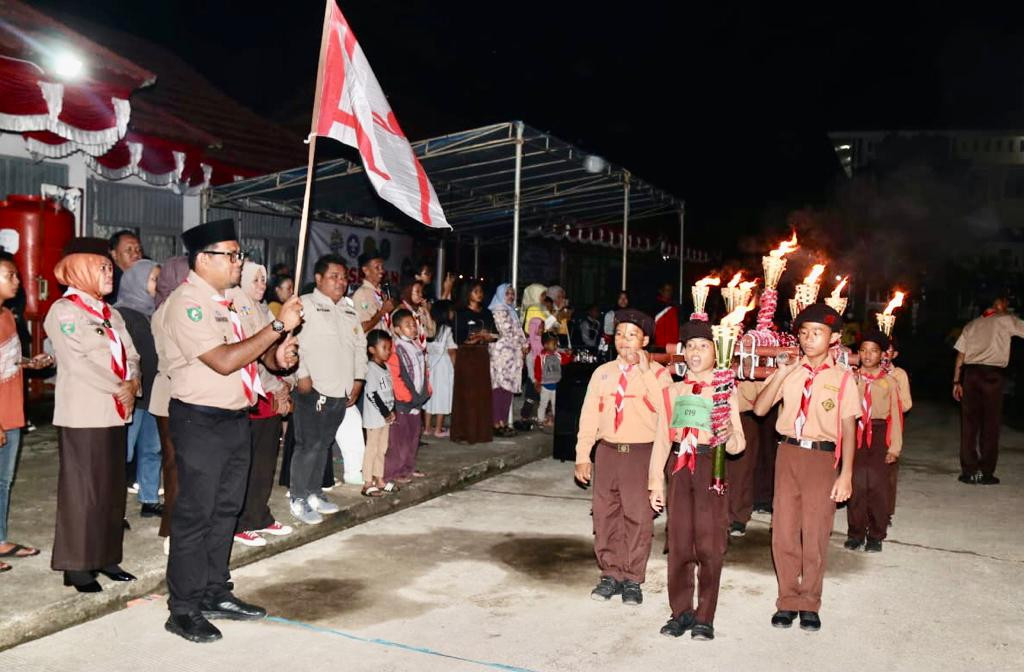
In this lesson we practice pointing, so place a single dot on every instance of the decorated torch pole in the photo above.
(886, 320)
(835, 301)
(723, 379)
(806, 293)
(700, 292)
(774, 264)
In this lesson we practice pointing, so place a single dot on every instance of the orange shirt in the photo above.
(825, 410)
(12, 395)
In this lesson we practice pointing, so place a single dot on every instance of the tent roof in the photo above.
(473, 173)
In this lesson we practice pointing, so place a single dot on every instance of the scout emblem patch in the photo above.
(195, 313)
(828, 404)
(691, 411)
(67, 328)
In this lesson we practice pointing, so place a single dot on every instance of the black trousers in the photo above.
(285, 477)
(316, 418)
(981, 417)
(265, 440)
(212, 453)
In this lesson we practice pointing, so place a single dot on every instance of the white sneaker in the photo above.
(276, 529)
(302, 511)
(167, 545)
(134, 488)
(250, 538)
(321, 504)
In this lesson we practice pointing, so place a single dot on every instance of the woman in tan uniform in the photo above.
(97, 382)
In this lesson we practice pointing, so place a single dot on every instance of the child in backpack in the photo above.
(378, 413)
(547, 372)
(411, 383)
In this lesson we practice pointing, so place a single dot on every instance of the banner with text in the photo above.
(351, 241)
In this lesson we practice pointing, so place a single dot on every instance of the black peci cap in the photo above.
(819, 313)
(695, 329)
(642, 320)
(877, 336)
(366, 257)
(100, 246)
(210, 233)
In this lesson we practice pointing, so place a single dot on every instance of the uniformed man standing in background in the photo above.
(214, 382)
(332, 369)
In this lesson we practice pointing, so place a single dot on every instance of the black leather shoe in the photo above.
(677, 626)
(783, 618)
(233, 609)
(632, 593)
(873, 546)
(152, 510)
(852, 544)
(809, 621)
(125, 524)
(988, 480)
(704, 631)
(115, 573)
(605, 588)
(969, 479)
(193, 627)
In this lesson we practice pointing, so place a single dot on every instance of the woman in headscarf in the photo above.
(172, 273)
(264, 420)
(471, 396)
(536, 320)
(506, 357)
(414, 302)
(97, 382)
(135, 302)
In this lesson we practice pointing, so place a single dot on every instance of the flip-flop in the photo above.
(13, 552)
(390, 487)
(373, 491)
(4, 567)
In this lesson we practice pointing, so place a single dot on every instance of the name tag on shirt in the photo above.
(691, 411)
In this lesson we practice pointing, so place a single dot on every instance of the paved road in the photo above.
(496, 577)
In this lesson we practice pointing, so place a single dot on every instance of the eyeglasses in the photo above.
(233, 257)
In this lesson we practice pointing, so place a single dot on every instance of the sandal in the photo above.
(403, 479)
(4, 567)
(418, 474)
(373, 491)
(390, 487)
(15, 552)
(443, 434)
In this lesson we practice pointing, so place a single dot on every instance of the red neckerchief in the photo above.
(620, 393)
(118, 356)
(864, 433)
(988, 312)
(805, 399)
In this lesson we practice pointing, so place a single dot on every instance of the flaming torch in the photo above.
(700, 296)
(806, 292)
(774, 264)
(725, 335)
(886, 319)
(836, 302)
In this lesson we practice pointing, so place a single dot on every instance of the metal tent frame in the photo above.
(484, 177)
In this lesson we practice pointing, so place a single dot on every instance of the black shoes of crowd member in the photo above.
(809, 621)
(988, 480)
(125, 524)
(606, 588)
(703, 631)
(231, 608)
(783, 618)
(762, 507)
(853, 544)
(969, 479)
(631, 593)
(737, 529)
(84, 582)
(677, 626)
(152, 510)
(115, 573)
(194, 627)
(873, 546)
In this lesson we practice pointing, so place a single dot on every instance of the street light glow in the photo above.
(67, 65)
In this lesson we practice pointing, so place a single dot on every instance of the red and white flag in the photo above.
(353, 109)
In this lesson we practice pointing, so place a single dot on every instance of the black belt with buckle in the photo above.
(213, 411)
(625, 448)
(702, 448)
(807, 444)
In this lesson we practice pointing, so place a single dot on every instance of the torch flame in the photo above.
(735, 279)
(839, 287)
(812, 277)
(709, 280)
(785, 247)
(897, 301)
(736, 316)
(748, 285)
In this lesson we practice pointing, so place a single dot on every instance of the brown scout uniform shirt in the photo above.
(663, 441)
(824, 412)
(160, 394)
(746, 392)
(639, 411)
(366, 304)
(986, 340)
(889, 394)
(85, 381)
(196, 324)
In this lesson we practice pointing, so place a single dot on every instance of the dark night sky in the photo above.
(725, 106)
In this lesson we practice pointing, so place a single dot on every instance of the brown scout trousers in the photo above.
(740, 470)
(802, 515)
(697, 539)
(867, 512)
(623, 519)
(767, 444)
(981, 414)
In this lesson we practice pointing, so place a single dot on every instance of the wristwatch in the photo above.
(277, 326)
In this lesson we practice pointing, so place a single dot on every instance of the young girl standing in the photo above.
(441, 351)
(378, 413)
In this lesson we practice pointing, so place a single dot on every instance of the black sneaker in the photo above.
(988, 480)
(737, 529)
(677, 626)
(969, 479)
(194, 627)
(852, 544)
(151, 510)
(704, 631)
(873, 546)
(631, 593)
(809, 621)
(783, 618)
(231, 608)
(606, 587)
(762, 507)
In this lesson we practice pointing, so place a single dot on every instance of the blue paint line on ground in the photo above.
(396, 645)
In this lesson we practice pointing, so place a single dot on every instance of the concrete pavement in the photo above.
(497, 575)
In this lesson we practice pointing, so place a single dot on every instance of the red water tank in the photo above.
(35, 230)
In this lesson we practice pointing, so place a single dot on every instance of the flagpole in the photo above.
(314, 122)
